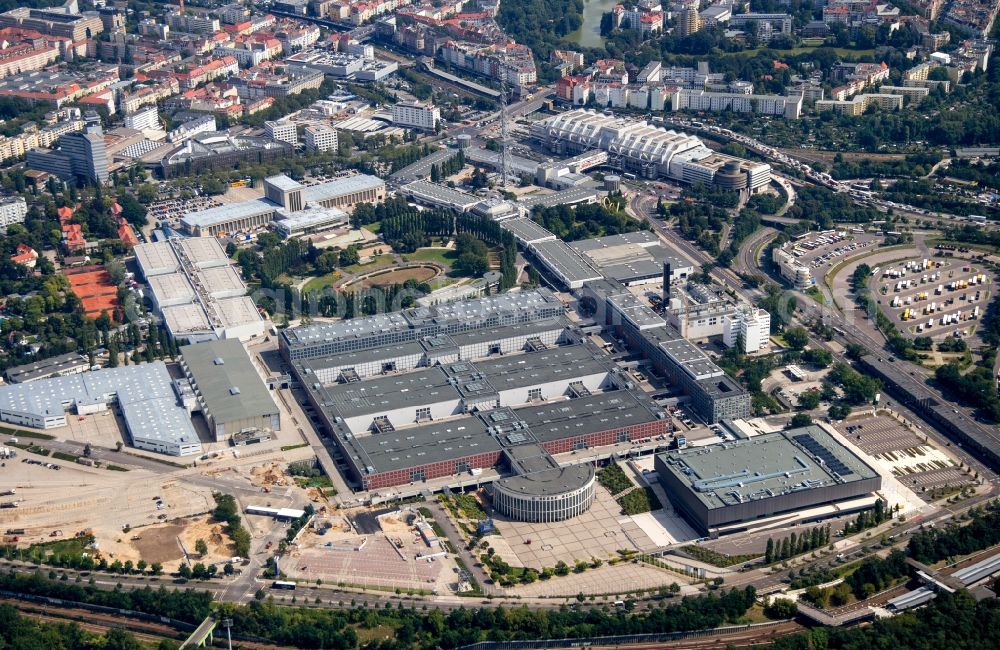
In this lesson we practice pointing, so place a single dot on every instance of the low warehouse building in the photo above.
(721, 485)
(230, 393)
(154, 418)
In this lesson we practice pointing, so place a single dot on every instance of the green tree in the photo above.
(780, 609)
(800, 420)
(809, 399)
(796, 337)
(349, 256)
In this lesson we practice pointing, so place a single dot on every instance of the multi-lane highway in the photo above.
(773, 154)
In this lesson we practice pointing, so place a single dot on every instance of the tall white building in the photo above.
(283, 131)
(147, 118)
(750, 324)
(416, 116)
(320, 137)
(792, 270)
(12, 210)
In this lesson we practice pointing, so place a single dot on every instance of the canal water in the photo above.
(589, 34)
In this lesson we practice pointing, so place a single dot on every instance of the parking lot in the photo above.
(917, 464)
(935, 297)
(828, 248)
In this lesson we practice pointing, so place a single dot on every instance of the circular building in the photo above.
(613, 183)
(731, 177)
(547, 495)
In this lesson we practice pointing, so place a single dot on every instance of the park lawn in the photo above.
(373, 228)
(324, 281)
(320, 283)
(442, 256)
(378, 262)
(74, 546)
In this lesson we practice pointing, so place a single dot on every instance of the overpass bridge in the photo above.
(202, 635)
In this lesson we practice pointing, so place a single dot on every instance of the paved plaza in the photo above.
(365, 563)
(598, 533)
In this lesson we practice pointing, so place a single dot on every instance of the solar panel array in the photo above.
(819, 451)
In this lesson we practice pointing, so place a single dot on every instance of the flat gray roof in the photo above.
(630, 271)
(440, 194)
(283, 182)
(765, 466)
(519, 164)
(203, 252)
(544, 482)
(721, 386)
(502, 332)
(526, 231)
(145, 394)
(226, 213)
(470, 311)
(171, 288)
(637, 310)
(156, 258)
(343, 329)
(555, 364)
(585, 415)
(358, 357)
(688, 356)
(571, 266)
(227, 381)
(565, 197)
(340, 187)
(639, 237)
(45, 367)
(311, 217)
(383, 394)
(424, 444)
(463, 314)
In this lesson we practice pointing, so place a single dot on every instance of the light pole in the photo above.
(228, 623)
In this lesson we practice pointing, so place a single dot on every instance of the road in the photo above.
(514, 111)
(471, 562)
(773, 154)
(747, 261)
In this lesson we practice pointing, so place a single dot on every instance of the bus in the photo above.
(282, 584)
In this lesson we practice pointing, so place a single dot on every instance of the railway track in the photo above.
(101, 623)
(712, 642)
(94, 621)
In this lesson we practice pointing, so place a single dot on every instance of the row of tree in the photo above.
(227, 511)
(448, 167)
(187, 605)
(83, 561)
(870, 517)
(817, 537)
(929, 545)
